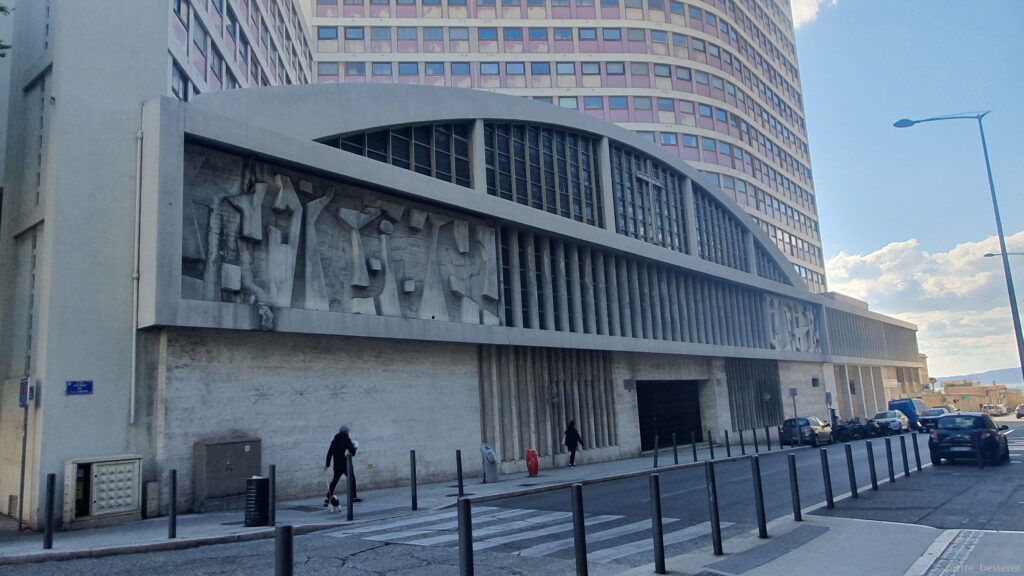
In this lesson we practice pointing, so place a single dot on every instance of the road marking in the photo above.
(615, 552)
(504, 527)
(450, 525)
(955, 556)
(921, 566)
(566, 543)
(529, 534)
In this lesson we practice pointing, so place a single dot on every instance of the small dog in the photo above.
(335, 504)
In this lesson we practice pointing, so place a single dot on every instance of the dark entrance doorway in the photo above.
(667, 406)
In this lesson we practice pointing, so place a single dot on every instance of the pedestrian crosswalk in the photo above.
(527, 532)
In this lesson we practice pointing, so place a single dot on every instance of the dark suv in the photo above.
(809, 430)
(968, 435)
(930, 417)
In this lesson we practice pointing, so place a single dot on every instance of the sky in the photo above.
(906, 215)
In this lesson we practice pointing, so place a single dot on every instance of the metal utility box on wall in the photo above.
(221, 469)
(100, 489)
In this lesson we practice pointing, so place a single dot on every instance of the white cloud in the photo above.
(805, 11)
(957, 299)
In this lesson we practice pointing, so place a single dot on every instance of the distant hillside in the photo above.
(1007, 376)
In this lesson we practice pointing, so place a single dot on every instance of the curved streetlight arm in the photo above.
(907, 123)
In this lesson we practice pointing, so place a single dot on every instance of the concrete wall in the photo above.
(810, 401)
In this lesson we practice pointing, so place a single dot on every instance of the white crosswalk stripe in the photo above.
(530, 534)
(452, 524)
(505, 527)
(635, 547)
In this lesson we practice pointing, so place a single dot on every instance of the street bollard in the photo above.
(51, 489)
(172, 516)
(412, 478)
(755, 473)
(827, 478)
(579, 533)
(977, 450)
(728, 449)
(350, 489)
(851, 471)
(458, 471)
(756, 448)
(465, 537)
(659, 538)
(743, 444)
(888, 457)
(794, 488)
(903, 452)
(767, 439)
(272, 492)
(675, 449)
(917, 453)
(693, 444)
(716, 526)
(284, 551)
(656, 450)
(871, 466)
(711, 445)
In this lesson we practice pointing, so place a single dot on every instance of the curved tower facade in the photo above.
(713, 82)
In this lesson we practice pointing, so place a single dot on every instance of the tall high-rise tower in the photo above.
(715, 82)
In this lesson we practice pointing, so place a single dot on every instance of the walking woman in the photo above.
(572, 441)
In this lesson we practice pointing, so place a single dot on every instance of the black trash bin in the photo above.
(257, 501)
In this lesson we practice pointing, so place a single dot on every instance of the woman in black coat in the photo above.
(572, 441)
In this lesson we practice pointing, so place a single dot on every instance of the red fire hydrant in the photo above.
(532, 464)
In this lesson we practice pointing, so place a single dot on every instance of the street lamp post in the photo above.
(906, 123)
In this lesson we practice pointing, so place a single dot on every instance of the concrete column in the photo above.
(876, 374)
(691, 219)
(666, 315)
(625, 297)
(516, 285)
(602, 293)
(655, 296)
(748, 239)
(635, 302)
(561, 291)
(607, 187)
(696, 305)
(647, 299)
(866, 382)
(673, 304)
(532, 306)
(546, 282)
(615, 327)
(589, 307)
(479, 157)
(575, 288)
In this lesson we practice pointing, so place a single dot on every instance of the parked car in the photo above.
(1020, 411)
(1001, 410)
(809, 430)
(964, 435)
(930, 417)
(990, 410)
(910, 407)
(950, 409)
(892, 421)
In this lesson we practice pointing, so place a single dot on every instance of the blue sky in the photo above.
(906, 214)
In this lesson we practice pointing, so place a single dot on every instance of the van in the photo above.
(912, 407)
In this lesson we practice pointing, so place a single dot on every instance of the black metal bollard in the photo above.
(827, 478)
(272, 493)
(350, 489)
(284, 551)
(716, 526)
(711, 445)
(579, 533)
(794, 488)
(755, 473)
(465, 537)
(871, 466)
(767, 439)
(851, 471)
(659, 538)
(675, 449)
(458, 471)
(977, 450)
(693, 444)
(756, 448)
(172, 516)
(51, 490)
(888, 457)
(903, 452)
(728, 449)
(743, 445)
(412, 478)
(657, 449)
(917, 453)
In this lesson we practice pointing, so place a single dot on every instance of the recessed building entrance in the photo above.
(667, 406)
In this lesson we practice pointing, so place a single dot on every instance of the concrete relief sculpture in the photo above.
(792, 325)
(253, 235)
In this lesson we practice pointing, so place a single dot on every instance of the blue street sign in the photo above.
(78, 387)
(25, 393)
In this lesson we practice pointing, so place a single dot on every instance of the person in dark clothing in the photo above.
(340, 445)
(572, 441)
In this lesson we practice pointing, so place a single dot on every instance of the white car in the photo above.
(892, 421)
(1001, 410)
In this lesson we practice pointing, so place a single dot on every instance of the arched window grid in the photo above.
(438, 150)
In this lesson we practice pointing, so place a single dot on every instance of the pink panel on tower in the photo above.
(326, 10)
(199, 61)
(561, 12)
(380, 11)
(405, 11)
(710, 157)
(588, 46)
(383, 80)
(215, 83)
(433, 46)
(243, 11)
(599, 114)
(408, 46)
(488, 46)
(696, 24)
(640, 81)
(564, 47)
(353, 11)
(217, 19)
(408, 80)
(513, 46)
(611, 47)
(537, 46)
(380, 46)
(327, 79)
(610, 12)
(682, 85)
(618, 115)
(355, 79)
(691, 154)
(705, 122)
(585, 13)
(637, 47)
(179, 32)
(643, 115)
(618, 81)
(703, 89)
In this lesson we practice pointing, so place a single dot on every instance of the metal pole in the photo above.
(51, 489)
(755, 473)
(350, 484)
(743, 444)
(172, 517)
(794, 488)
(903, 451)
(728, 449)
(465, 537)
(659, 539)
(917, 453)
(888, 457)
(21, 489)
(1002, 248)
(412, 477)
(656, 450)
(827, 478)
(458, 471)
(768, 438)
(716, 526)
(272, 488)
(693, 444)
(711, 445)
(579, 533)
(284, 551)
(871, 466)
(851, 471)
(675, 449)
(756, 448)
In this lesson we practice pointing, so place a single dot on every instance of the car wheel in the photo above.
(1006, 453)
(936, 459)
(814, 441)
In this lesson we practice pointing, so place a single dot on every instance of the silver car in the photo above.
(892, 421)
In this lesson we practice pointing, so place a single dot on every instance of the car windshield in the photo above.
(933, 412)
(882, 415)
(961, 422)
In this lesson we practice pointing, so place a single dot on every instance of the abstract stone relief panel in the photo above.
(272, 237)
(792, 325)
